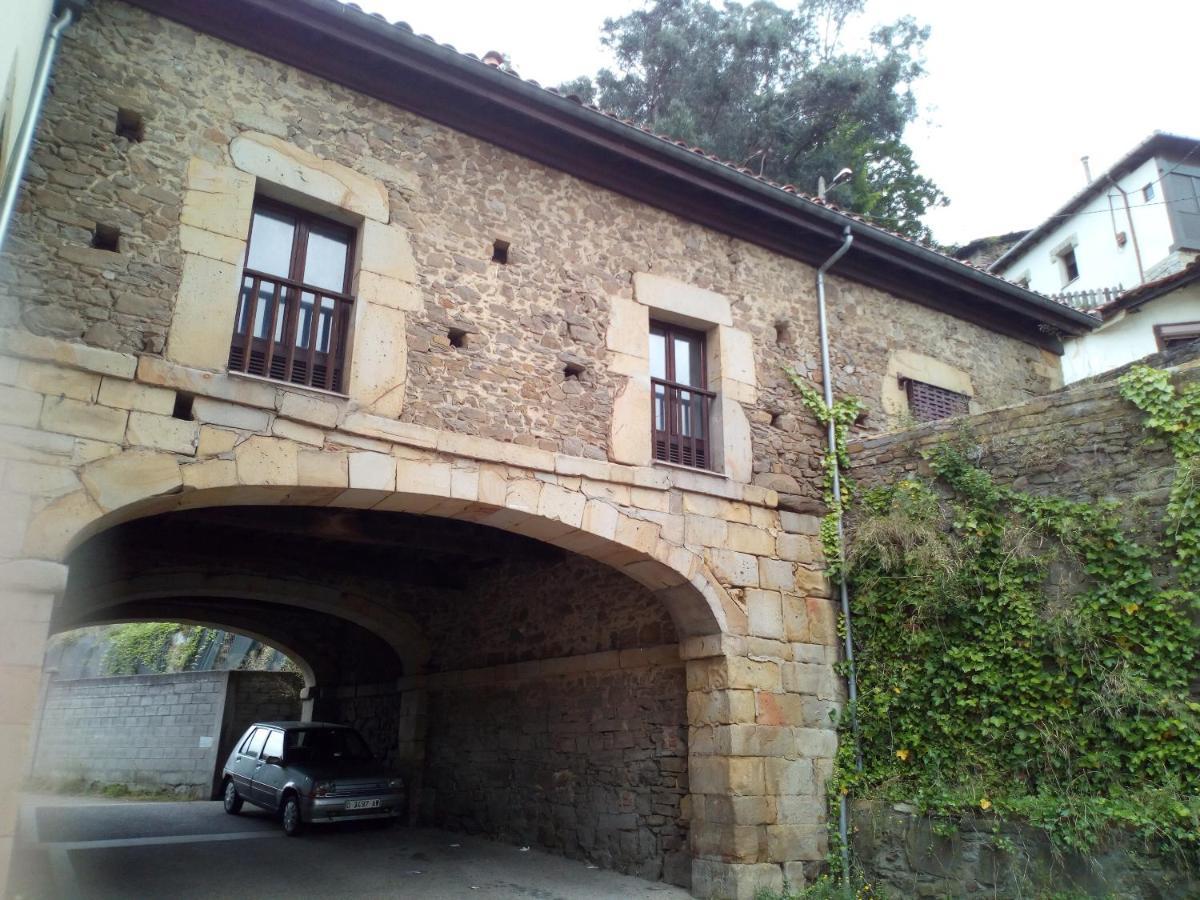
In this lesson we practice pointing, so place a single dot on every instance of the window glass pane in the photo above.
(274, 745)
(687, 361)
(658, 356)
(271, 238)
(325, 259)
(660, 408)
(256, 742)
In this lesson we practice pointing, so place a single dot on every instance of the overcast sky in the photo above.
(1015, 93)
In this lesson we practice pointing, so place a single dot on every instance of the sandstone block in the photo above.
(373, 471)
(19, 407)
(493, 484)
(231, 415)
(797, 548)
(205, 307)
(799, 524)
(702, 531)
(39, 479)
(323, 468)
(749, 539)
(731, 567)
(368, 287)
(671, 295)
(210, 474)
(779, 709)
(464, 481)
(56, 525)
(561, 505)
(777, 574)
(732, 881)
(214, 441)
(379, 363)
(264, 460)
(210, 244)
(795, 618)
(629, 434)
(736, 349)
(66, 416)
(741, 843)
(809, 582)
(54, 380)
(297, 431)
(789, 776)
(221, 385)
(385, 250)
(822, 621)
(423, 477)
(280, 162)
(122, 394)
(77, 356)
(217, 199)
(815, 742)
(162, 433)
(797, 842)
(761, 675)
(131, 476)
(312, 410)
(628, 332)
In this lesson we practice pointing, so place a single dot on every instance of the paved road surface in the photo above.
(73, 848)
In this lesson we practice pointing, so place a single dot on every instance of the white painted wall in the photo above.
(23, 25)
(1101, 262)
(1128, 336)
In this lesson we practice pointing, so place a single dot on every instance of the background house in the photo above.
(1134, 223)
(1152, 317)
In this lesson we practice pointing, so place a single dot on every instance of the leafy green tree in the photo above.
(776, 91)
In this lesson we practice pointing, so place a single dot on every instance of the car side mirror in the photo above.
(274, 761)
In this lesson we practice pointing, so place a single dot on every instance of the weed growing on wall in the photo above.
(1026, 655)
(153, 647)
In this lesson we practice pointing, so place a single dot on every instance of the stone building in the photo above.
(471, 400)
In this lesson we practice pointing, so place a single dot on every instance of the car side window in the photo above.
(274, 745)
(255, 744)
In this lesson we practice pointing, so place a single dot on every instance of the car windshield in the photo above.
(325, 745)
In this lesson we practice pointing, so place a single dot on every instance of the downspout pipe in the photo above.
(1137, 253)
(24, 142)
(831, 438)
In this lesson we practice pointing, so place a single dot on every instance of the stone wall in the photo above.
(589, 761)
(153, 732)
(573, 247)
(908, 855)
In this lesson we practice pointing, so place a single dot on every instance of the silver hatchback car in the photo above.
(309, 772)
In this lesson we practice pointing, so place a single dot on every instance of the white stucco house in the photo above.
(1155, 316)
(1132, 224)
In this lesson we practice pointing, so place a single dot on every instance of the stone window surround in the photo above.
(907, 364)
(730, 362)
(214, 225)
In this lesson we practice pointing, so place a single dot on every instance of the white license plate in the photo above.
(361, 804)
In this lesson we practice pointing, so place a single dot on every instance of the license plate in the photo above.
(361, 804)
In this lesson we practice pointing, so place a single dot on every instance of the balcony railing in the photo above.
(680, 424)
(291, 332)
(1090, 299)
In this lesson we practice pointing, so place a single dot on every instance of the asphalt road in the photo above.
(75, 848)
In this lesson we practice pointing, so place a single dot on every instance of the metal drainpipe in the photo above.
(1137, 253)
(831, 437)
(37, 94)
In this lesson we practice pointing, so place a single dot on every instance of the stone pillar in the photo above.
(28, 590)
(411, 754)
(761, 748)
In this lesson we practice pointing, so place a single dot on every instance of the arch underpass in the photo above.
(525, 691)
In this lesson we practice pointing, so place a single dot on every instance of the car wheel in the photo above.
(233, 803)
(292, 824)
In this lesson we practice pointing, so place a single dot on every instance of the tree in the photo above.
(776, 91)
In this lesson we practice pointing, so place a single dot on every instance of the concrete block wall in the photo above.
(149, 732)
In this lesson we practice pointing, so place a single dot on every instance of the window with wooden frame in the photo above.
(681, 408)
(1176, 334)
(294, 308)
(928, 402)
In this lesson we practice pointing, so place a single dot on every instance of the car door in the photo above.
(245, 761)
(269, 777)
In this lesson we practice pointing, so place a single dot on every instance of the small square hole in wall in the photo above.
(107, 237)
(783, 334)
(573, 371)
(458, 337)
(500, 252)
(183, 407)
(130, 125)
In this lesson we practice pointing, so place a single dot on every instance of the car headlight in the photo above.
(324, 788)
(395, 784)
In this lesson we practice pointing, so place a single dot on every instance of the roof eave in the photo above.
(510, 112)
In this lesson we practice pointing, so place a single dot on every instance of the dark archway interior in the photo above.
(485, 665)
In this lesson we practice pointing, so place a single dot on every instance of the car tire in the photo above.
(233, 802)
(293, 825)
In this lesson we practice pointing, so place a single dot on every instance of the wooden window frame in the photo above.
(910, 384)
(1164, 342)
(1062, 255)
(321, 370)
(670, 445)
